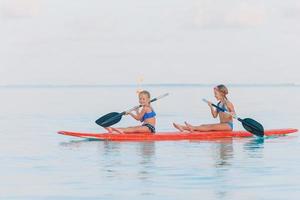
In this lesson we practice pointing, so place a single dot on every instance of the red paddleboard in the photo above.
(211, 135)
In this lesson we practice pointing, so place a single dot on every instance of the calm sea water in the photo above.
(37, 163)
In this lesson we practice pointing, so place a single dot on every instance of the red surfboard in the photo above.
(159, 136)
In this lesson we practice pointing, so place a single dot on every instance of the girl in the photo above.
(146, 116)
(225, 124)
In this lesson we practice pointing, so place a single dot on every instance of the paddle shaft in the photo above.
(134, 108)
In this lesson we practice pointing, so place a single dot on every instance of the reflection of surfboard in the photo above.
(211, 135)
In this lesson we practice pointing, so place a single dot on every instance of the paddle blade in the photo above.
(253, 126)
(109, 119)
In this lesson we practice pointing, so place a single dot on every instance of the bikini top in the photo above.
(148, 115)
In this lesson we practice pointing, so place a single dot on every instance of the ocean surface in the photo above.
(37, 163)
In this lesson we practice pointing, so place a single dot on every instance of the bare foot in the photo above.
(179, 127)
(189, 126)
(109, 129)
(118, 130)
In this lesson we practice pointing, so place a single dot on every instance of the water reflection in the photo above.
(223, 161)
(254, 144)
(224, 153)
(147, 153)
(254, 147)
(76, 143)
(139, 163)
(109, 147)
(112, 154)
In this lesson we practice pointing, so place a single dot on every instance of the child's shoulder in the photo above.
(229, 103)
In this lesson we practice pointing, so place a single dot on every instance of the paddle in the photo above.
(114, 117)
(249, 124)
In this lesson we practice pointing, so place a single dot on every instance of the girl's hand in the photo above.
(209, 104)
(137, 110)
(127, 113)
(233, 114)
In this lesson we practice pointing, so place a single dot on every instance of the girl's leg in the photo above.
(109, 129)
(209, 127)
(114, 130)
(134, 129)
(118, 130)
(181, 128)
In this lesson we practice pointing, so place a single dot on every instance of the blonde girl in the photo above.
(226, 120)
(146, 115)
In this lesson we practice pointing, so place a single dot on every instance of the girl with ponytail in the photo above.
(226, 121)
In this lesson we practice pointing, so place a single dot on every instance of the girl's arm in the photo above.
(230, 108)
(137, 111)
(213, 111)
(138, 116)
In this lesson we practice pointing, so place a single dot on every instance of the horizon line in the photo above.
(147, 85)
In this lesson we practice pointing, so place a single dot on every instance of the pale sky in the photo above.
(169, 41)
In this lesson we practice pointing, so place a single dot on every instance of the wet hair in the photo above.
(145, 92)
(222, 89)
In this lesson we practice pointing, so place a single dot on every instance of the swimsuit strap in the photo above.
(222, 106)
